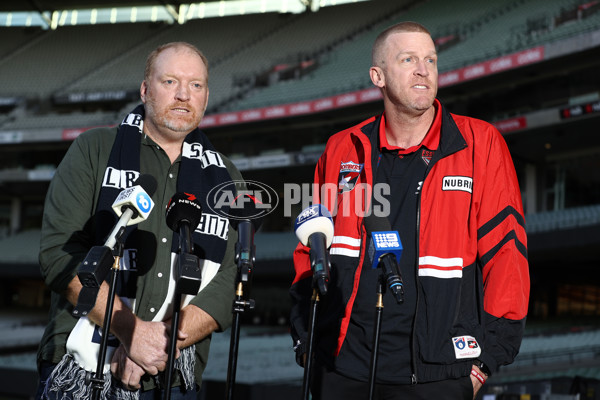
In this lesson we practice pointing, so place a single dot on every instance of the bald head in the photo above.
(377, 55)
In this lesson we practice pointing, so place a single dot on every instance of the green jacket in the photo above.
(67, 236)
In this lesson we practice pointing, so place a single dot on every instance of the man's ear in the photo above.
(377, 77)
(143, 90)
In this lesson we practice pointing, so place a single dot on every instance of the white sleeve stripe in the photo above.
(347, 240)
(436, 273)
(343, 251)
(441, 262)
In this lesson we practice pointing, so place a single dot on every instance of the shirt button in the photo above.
(152, 309)
(171, 176)
(159, 274)
(164, 240)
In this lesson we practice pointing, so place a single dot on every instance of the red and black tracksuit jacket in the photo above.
(472, 269)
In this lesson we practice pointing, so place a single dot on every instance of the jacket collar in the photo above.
(451, 139)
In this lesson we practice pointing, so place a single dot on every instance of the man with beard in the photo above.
(446, 183)
(159, 138)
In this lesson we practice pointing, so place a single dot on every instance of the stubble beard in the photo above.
(172, 127)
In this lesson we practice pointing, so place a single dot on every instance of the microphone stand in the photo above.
(314, 303)
(188, 282)
(320, 267)
(376, 335)
(97, 379)
(239, 306)
(172, 344)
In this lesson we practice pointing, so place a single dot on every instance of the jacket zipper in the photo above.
(414, 379)
(414, 327)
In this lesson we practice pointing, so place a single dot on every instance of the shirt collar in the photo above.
(431, 140)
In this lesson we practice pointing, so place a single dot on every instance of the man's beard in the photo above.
(188, 123)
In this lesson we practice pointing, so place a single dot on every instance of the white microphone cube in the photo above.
(136, 198)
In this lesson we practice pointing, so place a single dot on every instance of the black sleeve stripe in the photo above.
(497, 220)
(512, 235)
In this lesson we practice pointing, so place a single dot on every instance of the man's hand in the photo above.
(146, 342)
(477, 385)
(125, 370)
(148, 346)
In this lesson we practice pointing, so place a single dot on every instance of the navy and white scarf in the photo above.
(201, 169)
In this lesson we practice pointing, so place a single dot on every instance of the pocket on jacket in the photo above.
(443, 330)
(448, 326)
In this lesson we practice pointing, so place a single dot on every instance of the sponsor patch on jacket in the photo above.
(460, 183)
(349, 173)
(466, 347)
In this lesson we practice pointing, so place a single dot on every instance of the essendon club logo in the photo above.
(426, 156)
(349, 173)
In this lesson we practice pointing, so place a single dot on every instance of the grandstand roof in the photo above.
(52, 5)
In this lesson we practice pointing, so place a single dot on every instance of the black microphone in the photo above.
(133, 205)
(183, 215)
(242, 212)
(385, 249)
(314, 228)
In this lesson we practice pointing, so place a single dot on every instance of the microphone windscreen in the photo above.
(147, 182)
(315, 218)
(183, 207)
(244, 208)
(374, 223)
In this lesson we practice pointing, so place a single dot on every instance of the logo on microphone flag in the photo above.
(144, 202)
(386, 240)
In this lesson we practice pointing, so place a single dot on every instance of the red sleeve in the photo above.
(502, 241)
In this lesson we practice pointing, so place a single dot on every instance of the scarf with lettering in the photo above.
(201, 170)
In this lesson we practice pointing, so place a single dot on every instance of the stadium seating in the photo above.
(208, 34)
(111, 57)
(63, 121)
(27, 72)
(563, 219)
(484, 34)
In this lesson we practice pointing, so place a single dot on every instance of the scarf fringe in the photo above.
(186, 364)
(68, 379)
(118, 393)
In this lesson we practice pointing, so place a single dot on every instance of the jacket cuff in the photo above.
(300, 350)
(488, 360)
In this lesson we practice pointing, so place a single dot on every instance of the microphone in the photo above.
(314, 228)
(241, 211)
(385, 249)
(183, 215)
(132, 205)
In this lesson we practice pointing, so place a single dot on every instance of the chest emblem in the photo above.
(349, 174)
(426, 156)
